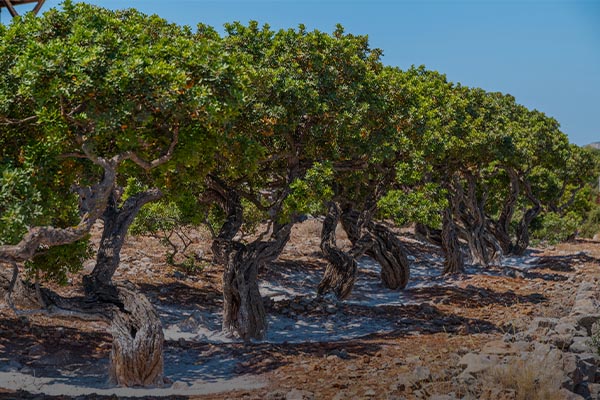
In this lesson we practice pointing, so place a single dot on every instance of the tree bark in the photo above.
(116, 223)
(341, 270)
(244, 313)
(384, 247)
(136, 357)
(428, 234)
(469, 209)
(522, 233)
(501, 228)
(454, 262)
(243, 309)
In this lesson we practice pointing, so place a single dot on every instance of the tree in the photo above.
(91, 99)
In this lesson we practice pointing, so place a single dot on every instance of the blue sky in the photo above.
(545, 53)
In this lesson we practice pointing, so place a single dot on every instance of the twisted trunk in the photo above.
(243, 310)
(454, 261)
(501, 228)
(428, 234)
(522, 233)
(116, 223)
(483, 247)
(136, 355)
(340, 273)
(383, 246)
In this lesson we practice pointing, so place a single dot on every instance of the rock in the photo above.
(587, 321)
(421, 374)
(14, 365)
(466, 378)
(296, 394)
(343, 354)
(370, 393)
(442, 397)
(581, 345)
(561, 341)
(499, 347)
(588, 390)
(568, 395)
(297, 307)
(571, 367)
(275, 395)
(544, 322)
(565, 327)
(476, 363)
(179, 385)
(403, 382)
(588, 365)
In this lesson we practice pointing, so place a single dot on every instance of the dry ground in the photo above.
(441, 323)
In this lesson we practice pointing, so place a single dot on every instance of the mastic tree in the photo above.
(90, 99)
(305, 111)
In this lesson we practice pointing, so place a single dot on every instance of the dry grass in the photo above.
(523, 380)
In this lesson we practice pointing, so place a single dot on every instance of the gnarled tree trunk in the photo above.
(136, 355)
(117, 221)
(469, 209)
(384, 247)
(428, 234)
(137, 350)
(340, 273)
(501, 229)
(243, 309)
(522, 240)
(454, 261)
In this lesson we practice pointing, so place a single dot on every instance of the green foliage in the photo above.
(591, 225)
(421, 205)
(19, 204)
(56, 262)
(552, 228)
(308, 195)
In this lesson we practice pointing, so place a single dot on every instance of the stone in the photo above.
(588, 390)
(275, 395)
(421, 374)
(586, 322)
(475, 363)
(581, 345)
(568, 395)
(296, 394)
(442, 397)
(179, 385)
(588, 366)
(561, 341)
(499, 347)
(571, 367)
(370, 393)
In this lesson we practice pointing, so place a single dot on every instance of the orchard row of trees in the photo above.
(103, 112)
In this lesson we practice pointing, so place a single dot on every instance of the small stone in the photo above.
(296, 394)
(421, 374)
(581, 345)
(179, 385)
(370, 393)
(476, 363)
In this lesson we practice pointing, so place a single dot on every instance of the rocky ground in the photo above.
(519, 330)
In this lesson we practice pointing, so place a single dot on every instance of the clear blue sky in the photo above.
(545, 53)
